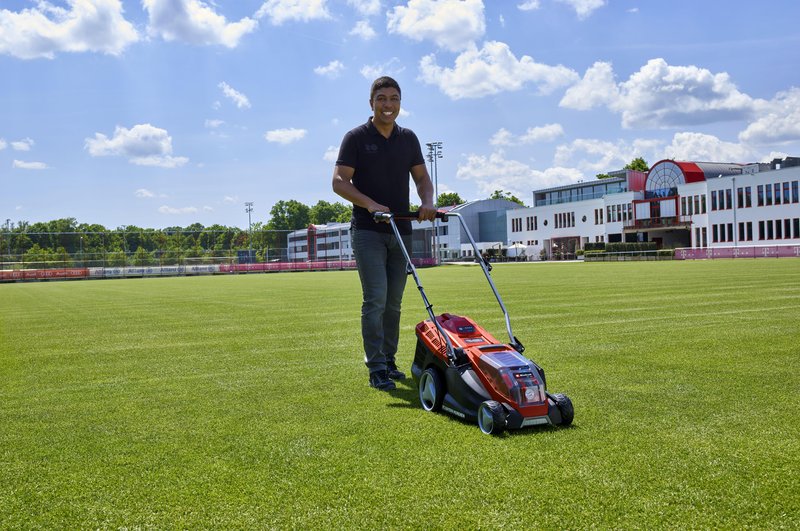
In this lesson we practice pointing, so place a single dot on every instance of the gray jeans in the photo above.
(382, 269)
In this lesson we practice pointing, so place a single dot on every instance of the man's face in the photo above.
(385, 105)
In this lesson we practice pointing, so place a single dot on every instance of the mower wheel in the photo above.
(431, 390)
(491, 417)
(564, 405)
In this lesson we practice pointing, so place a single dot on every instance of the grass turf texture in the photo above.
(242, 401)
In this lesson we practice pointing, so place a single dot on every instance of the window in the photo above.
(684, 211)
(713, 200)
(714, 233)
(769, 195)
(786, 196)
(728, 199)
(778, 230)
(516, 224)
(730, 232)
(796, 228)
(795, 194)
(760, 193)
(770, 233)
(705, 237)
(787, 228)
(777, 187)
(749, 231)
(740, 198)
(703, 204)
(741, 231)
(747, 199)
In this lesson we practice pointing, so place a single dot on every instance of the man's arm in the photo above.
(427, 211)
(343, 186)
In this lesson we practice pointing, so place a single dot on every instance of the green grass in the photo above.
(242, 402)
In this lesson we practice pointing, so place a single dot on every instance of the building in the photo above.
(676, 204)
(486, 220)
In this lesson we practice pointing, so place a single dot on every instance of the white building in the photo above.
(675, 204)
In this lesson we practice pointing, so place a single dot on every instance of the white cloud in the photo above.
(83, 26)
(213, 124)
(144, 193)
(452, 24)
(331, 154)
(544, 133)
(142, 144)
(164, 209)
(661, 96)
(529, 5)
(363, 30)
(496, 172)
(490, 70)
(22, 165)
(594, 156)
(194, 22)
(584, 8)
(332, 70)
(22, 145)
(597, 88)
(240, 100)
(366, 8)
(699, 146)
(393, 67)
(280, 11)
(778, 121)
(3, 144)
(229, 200)
(285, 136)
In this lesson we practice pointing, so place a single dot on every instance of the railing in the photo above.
(659, 223)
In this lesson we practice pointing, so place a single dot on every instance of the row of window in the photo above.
(598, 216)
(771, 229)
(694, 204)
(778, 193)
(564, 219)
(619, 212)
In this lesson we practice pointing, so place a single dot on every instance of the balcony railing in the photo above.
(659, 223)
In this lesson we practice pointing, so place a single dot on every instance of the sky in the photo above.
(160, 113)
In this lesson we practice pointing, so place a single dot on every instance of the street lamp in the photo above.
(249, 208)
(434, 154)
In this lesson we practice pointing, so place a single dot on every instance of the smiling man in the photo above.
(372, 172)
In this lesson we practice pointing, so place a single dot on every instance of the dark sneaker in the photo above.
(395, 374)
(380, 380)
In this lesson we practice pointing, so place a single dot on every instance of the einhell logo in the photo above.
(371, 148)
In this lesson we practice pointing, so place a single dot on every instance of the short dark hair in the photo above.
(381, 83)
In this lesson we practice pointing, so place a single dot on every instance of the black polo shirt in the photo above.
(382, 168)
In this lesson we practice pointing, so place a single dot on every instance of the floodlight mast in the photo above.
(249, 208)
(435, 153)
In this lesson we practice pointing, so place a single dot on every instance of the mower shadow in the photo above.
(407, 391)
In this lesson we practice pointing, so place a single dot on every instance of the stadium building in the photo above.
(740, 208)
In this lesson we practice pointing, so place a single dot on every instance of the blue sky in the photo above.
(168, 112)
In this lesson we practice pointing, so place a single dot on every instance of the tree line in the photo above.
(69, 242)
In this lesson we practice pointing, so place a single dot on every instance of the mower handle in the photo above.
(384, 216)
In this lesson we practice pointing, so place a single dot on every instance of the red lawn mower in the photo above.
(463, 370)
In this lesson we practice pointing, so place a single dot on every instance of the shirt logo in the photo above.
(371, 148)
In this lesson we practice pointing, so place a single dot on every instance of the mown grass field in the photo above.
(242, 402)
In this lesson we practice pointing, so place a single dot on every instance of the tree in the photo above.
(449, 199)
(638, 164)
(500, 194)
(603, 176)
(289, 215)
(324, 212)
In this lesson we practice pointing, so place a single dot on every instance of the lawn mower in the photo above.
(463, 370)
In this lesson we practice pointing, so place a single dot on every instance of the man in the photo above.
(375, 160)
